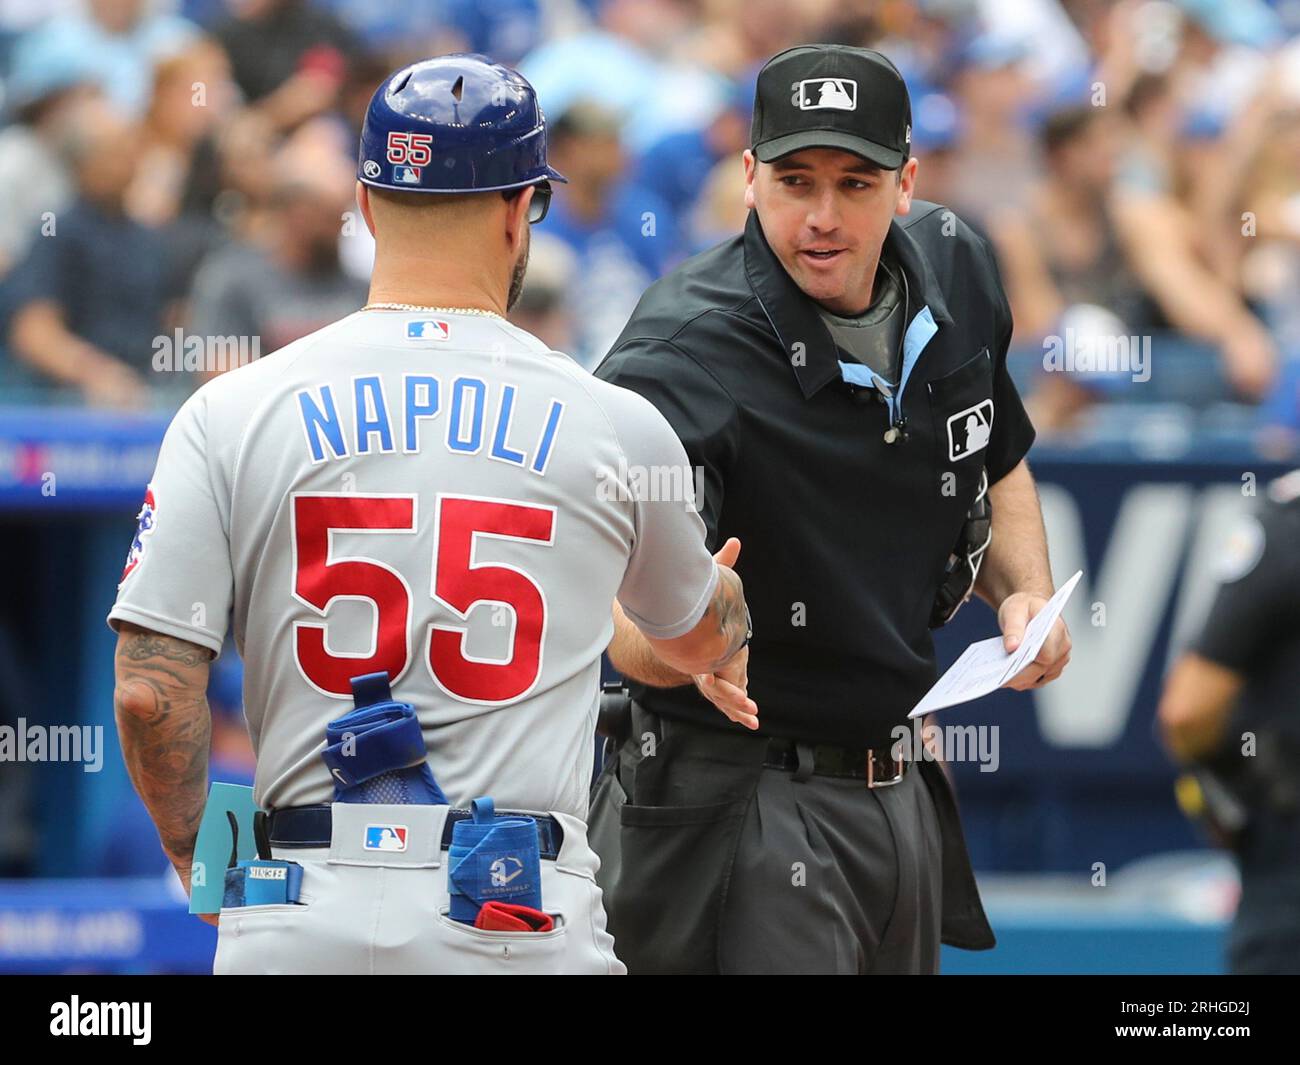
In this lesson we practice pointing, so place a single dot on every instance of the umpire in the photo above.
(1229, 713)
(837, 374)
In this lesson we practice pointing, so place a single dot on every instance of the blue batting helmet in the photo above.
(455, 123)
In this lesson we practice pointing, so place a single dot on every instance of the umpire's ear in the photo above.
(363, 201)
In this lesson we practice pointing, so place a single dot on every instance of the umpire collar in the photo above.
(794, 316)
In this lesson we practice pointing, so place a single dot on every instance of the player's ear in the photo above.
(363, 201)
(751, 169)
(517, 216)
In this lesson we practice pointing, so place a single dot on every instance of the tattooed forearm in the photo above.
(728, 612)
(164, 724)
(145, 645)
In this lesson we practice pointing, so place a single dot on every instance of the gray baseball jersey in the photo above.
(436, 495)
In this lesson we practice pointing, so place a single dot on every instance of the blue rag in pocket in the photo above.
(492, 859)
(376, 752)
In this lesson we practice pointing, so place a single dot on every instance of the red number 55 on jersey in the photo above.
(458, 583)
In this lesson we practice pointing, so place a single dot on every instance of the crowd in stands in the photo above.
(189, 165)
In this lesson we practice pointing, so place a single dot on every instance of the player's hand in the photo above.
(726, 688)
(1014, 614)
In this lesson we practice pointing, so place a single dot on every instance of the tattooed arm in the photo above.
(161, 705)
(713, 655)
(717, 638)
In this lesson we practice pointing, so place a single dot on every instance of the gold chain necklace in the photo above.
(439, 310)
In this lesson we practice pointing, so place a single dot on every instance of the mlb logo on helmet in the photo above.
(385, 838)
(428, 329)
(455, 123)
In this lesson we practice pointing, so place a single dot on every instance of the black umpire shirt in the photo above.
(844, 535)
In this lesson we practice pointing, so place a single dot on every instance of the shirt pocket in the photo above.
(962, 411)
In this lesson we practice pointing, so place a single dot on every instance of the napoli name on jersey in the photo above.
(428, 494)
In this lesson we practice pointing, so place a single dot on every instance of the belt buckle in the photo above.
(872, 783)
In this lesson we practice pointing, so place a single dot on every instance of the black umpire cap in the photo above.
(832, 96)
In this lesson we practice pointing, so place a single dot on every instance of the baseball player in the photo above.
(424, 491)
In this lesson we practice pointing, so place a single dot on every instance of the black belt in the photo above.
(310, 826)
(877, 767)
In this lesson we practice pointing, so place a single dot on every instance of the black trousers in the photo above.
(1265, 935)
(713, 863)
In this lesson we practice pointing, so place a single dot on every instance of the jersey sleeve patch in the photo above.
(144, 527)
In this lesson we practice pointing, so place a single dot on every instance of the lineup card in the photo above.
(984, 666)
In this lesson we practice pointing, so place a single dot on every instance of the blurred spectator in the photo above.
(232, 176)
(739, 36)
(633, 65)
(200, 154)
(994, 159)
(92, 296)
(719, 211)
(17, 16)
(192, 95)
(121, 40)
(507, 30)
(1159, 237)
(622, 235)
(48, 80)
(1267, 204)
(288, 57)
(286, 280)
(412, 29)
(357, 250)
(1053, 50)
(934, 141)
(1060, 248)
(672, 167)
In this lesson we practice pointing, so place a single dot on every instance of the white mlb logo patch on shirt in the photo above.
(969, 430)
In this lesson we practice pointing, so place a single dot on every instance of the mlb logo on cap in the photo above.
(835, 94)
(428, 329)
(385, 838)
(832, 96)
(406, 175)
